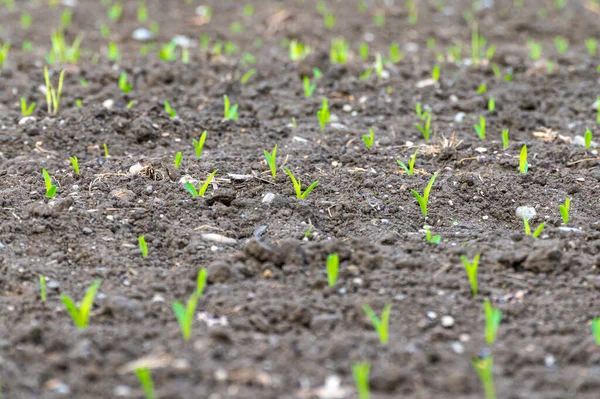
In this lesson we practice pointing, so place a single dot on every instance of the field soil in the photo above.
(268, 324)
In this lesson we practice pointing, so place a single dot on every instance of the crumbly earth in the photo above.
(268, 325)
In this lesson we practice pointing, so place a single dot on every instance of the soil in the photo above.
(268, 325)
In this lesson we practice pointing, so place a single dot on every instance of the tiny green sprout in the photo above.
(480, 128)
(185, 55)
(201, 187)
(423, 200)
(431, 238)
(105, 31)
(497, 71)
(123, 84)
(294, 123)
(426, 129)
(172, 113)
(564, 211)
(369, 139)
(42, 288)
(83, 82)
(411, 164)
(435, 72)
(323, 114)
(26, 110)
(143, 246)
(317, 74)
(366, 74)
(587, 138)
(395, 54)
(523, 164)
(308, 231)
(298, 185)
(505, 139)
(145, 378)
(52, 94)
(229, 111)
(201, 282)
(130, 104)
(309, 88)
(329, 21)
(430, 43)
(271, 159)
(492, 321)
(78, 103)
(592, 45)
(379, 65)
(596, 330)
(298, 51)
(333, 267)
(598, 106)
(199, 144)
(66, 17)
(471, 268)
(81, 314)
(484, 367)
(491, 104)
(114, 54)
(26, 20)
(248, 10)
(339, 51)
(4, 53)
(537, 231)
(363, 51)
(106, 155)
(422, 112)
(168, 52)
(535, 49)
(75, 164)
(361, 371)
(178, 159)
(50, 188)
(380, 325)
(246, 77)
(379, 19)
(142, 13)
(115, 11)
(562, 44)
(185, 315)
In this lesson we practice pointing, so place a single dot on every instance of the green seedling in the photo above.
(338, 52)
(480, 128)
(201, 187)
(329, 21)
(491, 104)
(379, 19)
(81, 314)
(61, 51)
(78, 103)
(145, 378)
(363, 51)
(317, 74)
(114, 54)
(298, 185)
(505, 139)
(333, 267)
(105, 31)
(50, 188)
(561, 44)
(246, 77)
(369, 139)
(26, 20)
(201, 282)
(425, 129)
(395, 54)
(380, 325)
(537, 231)
(130, 104)
(75, 164)
(411, 164)
(298, 50)
(471, 268)
(42, 288)
(535, 49)
(229, 111)
(115, 11)
(482, 88)
(123, 84)
(142, 13)
(143, 246)
(435, 72)
(199, 144)
(106, 155)
(178, 159)
(27, 46)
(423, 200)
(323, 114)
(484, 367)
(271, 159)
(294, 123)
(587, 138)
(185, 55)
(592, 46)
(379, 65)
(432, 239)
(185, 315)
(523, 164)
(52, 94)
(598, 106)
(497, 71)
(168, 52)
(421, 111)
(492, 321)
(361, 371)
(596, 330)
(4, 49)
(309, 88)
(26, 110)
(564, 211)
(172, 113)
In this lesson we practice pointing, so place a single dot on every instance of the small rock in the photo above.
(214, 237)
(142, 34)
(425, 83)
(458, 118)
(53, 284)
(347, 108)
(183, 41)
(567, 229)
(527, 212)
(27, 119)
(187, 179)
(458, 348)
(136, 168)
(453, 98)
(447, 321)
(87, 230)
(124, 308)
(149, 189)
(549, 360)
(1, 246)
(481, 149)
(431, 315)
(122, 391)
(108, 104)
(268, 198)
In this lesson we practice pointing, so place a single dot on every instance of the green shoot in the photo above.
(50, 188)
(361, 371)
(201, 187)
(323, 114)
(363, 51)
(482, 88)
(106, 155)
(333, 266)
(523, 164)
(535, 49)
(432, 239)
(145, 379)
(378, 65)
(115, 11)
(298, 185)
(294, 123)
(562, 44)
(426, 129)
(185, 315)
(317, 74)
(168, 52)
(230, 112)
(142, 13)
(537, 231)
(598, 108)
(370, 139)
(491, 104)
(329, 21)
(178, 159)
(339, 51)
(81, 314)
(199, 144)
(596, 330)
(172, 113)
(475, 44)
(587, 138)
(26, 110)
(421, 112)
(411, 164)
(564, 211)
(271, 159)
(143, 246)
(380, 325)
(52, 94)
(201, 282)
(379, 19)
(484, 369)
(480, 128)
(123, 84)
(246, 77)
(395, 54)
(423, 200)
(42, 288)
(185, 55)
(505, 139)
(435, 72)
(492, 321)
(309, 88)
(78, 103)
(61, 51)
(114, 54)
(4, 53)
(471, 269)
(592, 45)
(298, 51)
(26, 20)
(130, 104)
(75, 164)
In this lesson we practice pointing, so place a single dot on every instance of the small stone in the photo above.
(1, 246)
(481, 150)
(87, 230)
(158, 298)
(549, 360)
(268, 198)
(53, 284)
(142, 34)
(214, 237)
(27, 119)
(122, 391)
(149, 189)
(431, 315)
(183, 41)
(425, 83)
(453, 98)
(527, 212)
(108, 104)
(458, 118)
(347, 108)
(458, 348)
(485, 217)
(567, 229)
(447, 321)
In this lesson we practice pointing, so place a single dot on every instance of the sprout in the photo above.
(178, 158)
(143, 246)
(537, 231)
(52, 94)
(523, 164)
(370, 139)
(380, 325)
(271, 159)
(561, 44)
(50, 188)
(422, 112)
(491, 104)
(229, 111)
(26, 110)
(363, 51)
(75, 164)
(591, 45)
(339, 51)
(323, 114)
(484, 369)
(492, 321)
(308, 87)
(168, 52)
(411, 164)
(201, 282)
(145, 379)
(361, 371)
(333, 265)
(199, 144)
(596, 330)
(244, 79)
(142, 12)
(26, 20)
(435, 72)
(201, 188)
(329, 21)
(505, 139)
(123, 84)
(395, 54)
(114, 54)
(106, 150)
(298, 50)
(185, 315)
(423, 200)
(172, 113)
(379, 19)
(115, 11)
(42, 288)
(81, 314)
(63, 52)
(426, 129)
(587, 138)
(379, 65)
(564, 211)
(298, 185)
(482, 88)
(471, 269)
(535, 49)
(480, 128)
(432, 239)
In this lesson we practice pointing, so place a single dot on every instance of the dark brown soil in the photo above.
(268, 326)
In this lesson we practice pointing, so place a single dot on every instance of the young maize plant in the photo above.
(52, 94)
